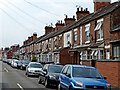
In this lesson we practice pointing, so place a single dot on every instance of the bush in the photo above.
(34, 59)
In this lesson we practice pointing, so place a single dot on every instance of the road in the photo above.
(11, 78)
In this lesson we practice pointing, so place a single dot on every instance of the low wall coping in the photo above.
(108, 60)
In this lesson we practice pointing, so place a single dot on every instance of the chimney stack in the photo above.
(34, 36)
(48, 29)
(69, 20)
(82, 13)
(100, 3)
(59, 25)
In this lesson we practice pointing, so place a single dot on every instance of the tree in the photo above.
(34, 59)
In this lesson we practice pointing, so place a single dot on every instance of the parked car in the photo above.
(14, 63)
(50, 74)
(9, 61)
(82, 77)
(19, 64)
(24, 64)
(33, 69)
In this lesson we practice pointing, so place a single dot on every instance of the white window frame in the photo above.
(98, 28)
(67, 38)
(50, 44)
(75, 35)
(80, 35)
(87, 30)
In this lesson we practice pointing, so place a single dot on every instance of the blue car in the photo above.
(74, 77)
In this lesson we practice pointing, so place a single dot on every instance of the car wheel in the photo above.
(39, 80)
(28, 74)
(46, 83)
(70, 88)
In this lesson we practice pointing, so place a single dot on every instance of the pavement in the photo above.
(12, 78)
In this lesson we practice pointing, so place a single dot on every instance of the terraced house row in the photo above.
(89, 39)
(89, 36)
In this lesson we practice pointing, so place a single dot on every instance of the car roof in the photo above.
(81, 66)
(53, 65)
(34, 63)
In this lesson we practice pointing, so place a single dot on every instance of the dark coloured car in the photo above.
(19, 64)
(50, 75)
(9, 61)
(24, 64)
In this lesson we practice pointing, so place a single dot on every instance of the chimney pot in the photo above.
(61, 21)
(77, 9)
(73, 17)
(86, 9)
(81, 9)
(66, 16)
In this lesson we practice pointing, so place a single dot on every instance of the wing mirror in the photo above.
(68, 75)
(105, 78)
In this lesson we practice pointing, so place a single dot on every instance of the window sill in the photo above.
(100, 39)
(87, 42)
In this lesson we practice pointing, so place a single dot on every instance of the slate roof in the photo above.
(93, 16)
(84, 20)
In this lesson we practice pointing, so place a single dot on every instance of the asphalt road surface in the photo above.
(11, 78)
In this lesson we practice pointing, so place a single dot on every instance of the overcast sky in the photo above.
(21, 18)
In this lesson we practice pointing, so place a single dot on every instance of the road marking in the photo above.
(20, 86)
(5, 69)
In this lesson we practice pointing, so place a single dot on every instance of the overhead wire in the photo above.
(41, 8)
(25, 12)
(18, 14)
(23, 26)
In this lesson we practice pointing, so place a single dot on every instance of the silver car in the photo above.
(33, 69)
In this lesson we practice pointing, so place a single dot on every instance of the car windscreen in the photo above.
(55, 69)
(26, 62)
(35, 66)
(19, 62)
(86, 73)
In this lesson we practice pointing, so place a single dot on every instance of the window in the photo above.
(65, 70)
(87, 36)
(68, 39)
(55, 42)
(60, 41)
(107, 54)
(99, 28)
(116, 52)
(80, 35)
(101, 54)
(49, 43)
(96, 55)
(88, 54)
(84, 55)
(75, 33)
(69, 70)
(87, 30)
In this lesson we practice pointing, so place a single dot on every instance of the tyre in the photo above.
(39, 80)
(46, 83)
(27, 74)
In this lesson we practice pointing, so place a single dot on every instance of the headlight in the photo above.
(79, 84)
(108, 86)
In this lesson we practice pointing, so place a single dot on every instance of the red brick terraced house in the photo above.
(91, 39)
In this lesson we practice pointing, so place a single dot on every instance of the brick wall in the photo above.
(111, 70)
(65, 57)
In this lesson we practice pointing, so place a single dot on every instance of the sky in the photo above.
(19, 19)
